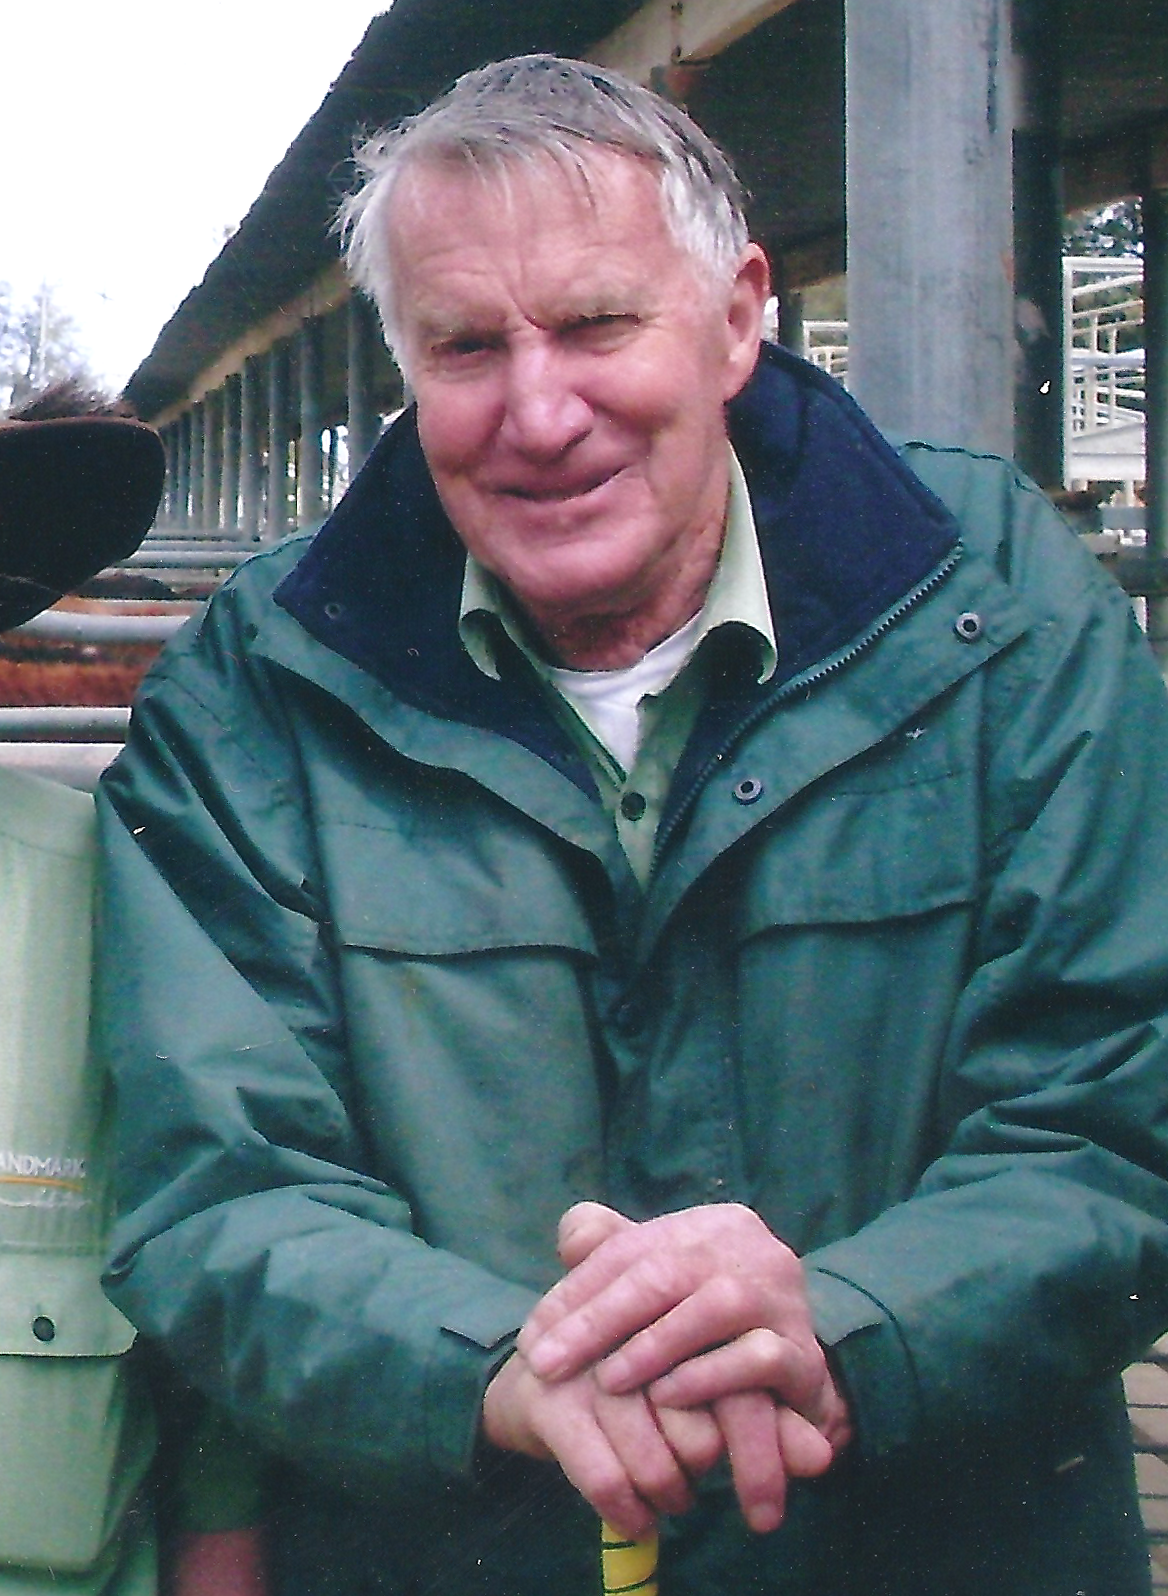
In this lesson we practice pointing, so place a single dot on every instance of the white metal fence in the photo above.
(1103, 422)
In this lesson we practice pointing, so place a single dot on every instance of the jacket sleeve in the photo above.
(255, 1245)
(1031, 1262)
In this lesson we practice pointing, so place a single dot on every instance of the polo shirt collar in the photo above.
(737, 597)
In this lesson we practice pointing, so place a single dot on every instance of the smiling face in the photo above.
(571, 364)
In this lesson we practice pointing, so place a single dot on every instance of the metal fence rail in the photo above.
(88, 626)
(84, 722)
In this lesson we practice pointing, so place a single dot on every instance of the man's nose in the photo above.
(545, 412)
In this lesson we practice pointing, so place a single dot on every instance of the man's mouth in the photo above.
(559, 491)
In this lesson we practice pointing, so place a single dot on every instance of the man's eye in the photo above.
(603, 327)
(462, 348)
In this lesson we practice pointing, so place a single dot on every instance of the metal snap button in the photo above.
(968, 626)
(748, 790)
(333, 610)
(633, 805)
(43, 1328)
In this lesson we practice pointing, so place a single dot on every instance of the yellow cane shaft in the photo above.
(627, 1568)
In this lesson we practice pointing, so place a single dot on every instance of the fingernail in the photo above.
(764, 1518)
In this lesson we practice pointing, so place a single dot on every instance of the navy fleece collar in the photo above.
(844, 526)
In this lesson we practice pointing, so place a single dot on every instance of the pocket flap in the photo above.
(861, 857)
(53, 1306)
(437, 896)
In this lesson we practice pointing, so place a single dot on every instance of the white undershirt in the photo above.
(609, 702)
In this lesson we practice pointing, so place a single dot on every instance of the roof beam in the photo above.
(667, 33)
(1113, 168)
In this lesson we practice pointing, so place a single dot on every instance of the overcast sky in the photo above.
(136, 133)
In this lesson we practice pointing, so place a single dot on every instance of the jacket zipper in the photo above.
(804, 680)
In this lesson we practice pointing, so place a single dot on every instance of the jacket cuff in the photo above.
(471, 1347)
(868, 1352)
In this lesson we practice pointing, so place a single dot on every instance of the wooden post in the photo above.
(229, 475)
(930, 246)
(330, 474)
(250, 449)
(277, 519)
(310, 473)
(168, 510)
(363, 338)
(212, 459)
(198, 467)
(791, 321)
(182, 476)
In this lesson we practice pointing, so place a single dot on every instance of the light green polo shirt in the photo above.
(737, 597)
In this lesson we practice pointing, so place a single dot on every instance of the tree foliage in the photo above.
(38, 346)
(1113, 230)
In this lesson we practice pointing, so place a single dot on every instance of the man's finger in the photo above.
(603, 1319)
(583, 1228)
(806, 1452)
(693, 1436)
(656, 1473)
(748, 1424)
(757, 1360)
(606, 1260)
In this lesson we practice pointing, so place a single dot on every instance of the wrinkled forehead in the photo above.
(579, 176)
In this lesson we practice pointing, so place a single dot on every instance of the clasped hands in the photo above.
(667, 1345)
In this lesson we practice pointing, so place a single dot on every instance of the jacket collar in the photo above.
(845, 528)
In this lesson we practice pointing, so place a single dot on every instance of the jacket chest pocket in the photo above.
(463, 959)
(431, 892)
(854, 940)
(849, 855)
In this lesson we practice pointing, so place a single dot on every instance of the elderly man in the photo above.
(653, 807)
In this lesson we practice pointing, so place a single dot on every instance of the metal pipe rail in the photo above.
(69, 722)
(74, 764)
(86, 626)
(212, 559)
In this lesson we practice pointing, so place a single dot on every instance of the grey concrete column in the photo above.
(250, 449)
(1038, 240)
(364, 337)
(930, 246)
(212, 459)
(229, 473)
(1154, 205)
(278, 518)
(198, 466)
(310, 455)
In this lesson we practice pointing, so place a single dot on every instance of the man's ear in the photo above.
(748, 297)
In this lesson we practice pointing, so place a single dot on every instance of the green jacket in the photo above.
(76, 1425)
(383, 999)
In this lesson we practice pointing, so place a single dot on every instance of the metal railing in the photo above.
(1103, 416)
(74, 742)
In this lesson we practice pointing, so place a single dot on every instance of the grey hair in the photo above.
(536, 107)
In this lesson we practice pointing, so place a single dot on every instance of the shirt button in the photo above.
(633, 805)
